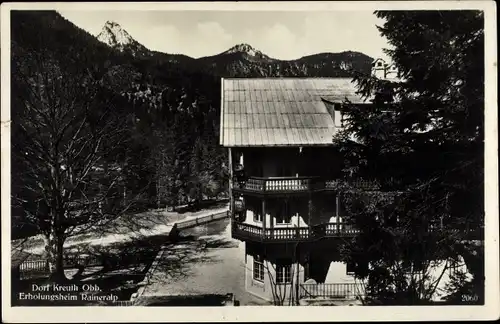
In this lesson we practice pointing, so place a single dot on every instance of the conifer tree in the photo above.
(426, 131)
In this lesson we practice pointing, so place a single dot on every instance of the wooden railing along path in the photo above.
(41, 266)
(202, 220)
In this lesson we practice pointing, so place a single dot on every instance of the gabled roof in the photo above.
(281, 111)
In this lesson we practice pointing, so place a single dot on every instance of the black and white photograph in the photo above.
(247, 158)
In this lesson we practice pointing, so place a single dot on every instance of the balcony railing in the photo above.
(296, 184)
(247, 231)
(300, 233)
(275, 184)
(340, 229)
(360, 184)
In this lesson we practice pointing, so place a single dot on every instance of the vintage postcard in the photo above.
(249, 161)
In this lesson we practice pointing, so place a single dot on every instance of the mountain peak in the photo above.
(111, 23)
(243, 48)
(114, 35)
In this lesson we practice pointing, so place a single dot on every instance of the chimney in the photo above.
(383, 70)
(391, 72)
(379, 68)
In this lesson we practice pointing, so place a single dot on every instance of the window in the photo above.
(339, 206)
(350, 267)
(259, 170)
(307, 271)
(283, 273)
(406, 266)
(239, 205)
(284, 170)
(282, 214)
(412, 267)
(418, 267)
(258, 268)
(257, 216)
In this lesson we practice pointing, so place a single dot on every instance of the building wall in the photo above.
(268, 289)
(320, 265)
(260, 289)
(297, 211)
(315, 265)
(324, 210)
(327, 208)
(289, 162)
(438, 268)
(337, 273)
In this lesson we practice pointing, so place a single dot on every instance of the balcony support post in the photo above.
(337, 212)
(271, 223)
(337, 205)
(309, 210)
(231, 198)
(264, 216)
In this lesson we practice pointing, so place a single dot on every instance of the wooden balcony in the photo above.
(340, 230)
(282, 184)
(276, 185)
(244, 231)
(360, 184)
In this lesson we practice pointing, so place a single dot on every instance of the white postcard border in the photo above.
(491, 310)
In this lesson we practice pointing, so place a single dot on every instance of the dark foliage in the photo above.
(171, 104)
(425, 130)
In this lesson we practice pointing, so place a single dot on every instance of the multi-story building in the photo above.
(285, 202)
(285, 169)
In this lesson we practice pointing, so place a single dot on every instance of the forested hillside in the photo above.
(167, 106)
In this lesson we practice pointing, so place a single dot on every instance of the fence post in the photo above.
(174, 233)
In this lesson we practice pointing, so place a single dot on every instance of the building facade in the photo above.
(285, 199)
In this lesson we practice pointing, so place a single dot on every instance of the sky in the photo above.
(280, 34)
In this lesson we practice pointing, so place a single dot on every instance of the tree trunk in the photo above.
(54, 246)
(296, 300)
(158, 200)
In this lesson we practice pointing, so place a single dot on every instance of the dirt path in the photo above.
(206, 261)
